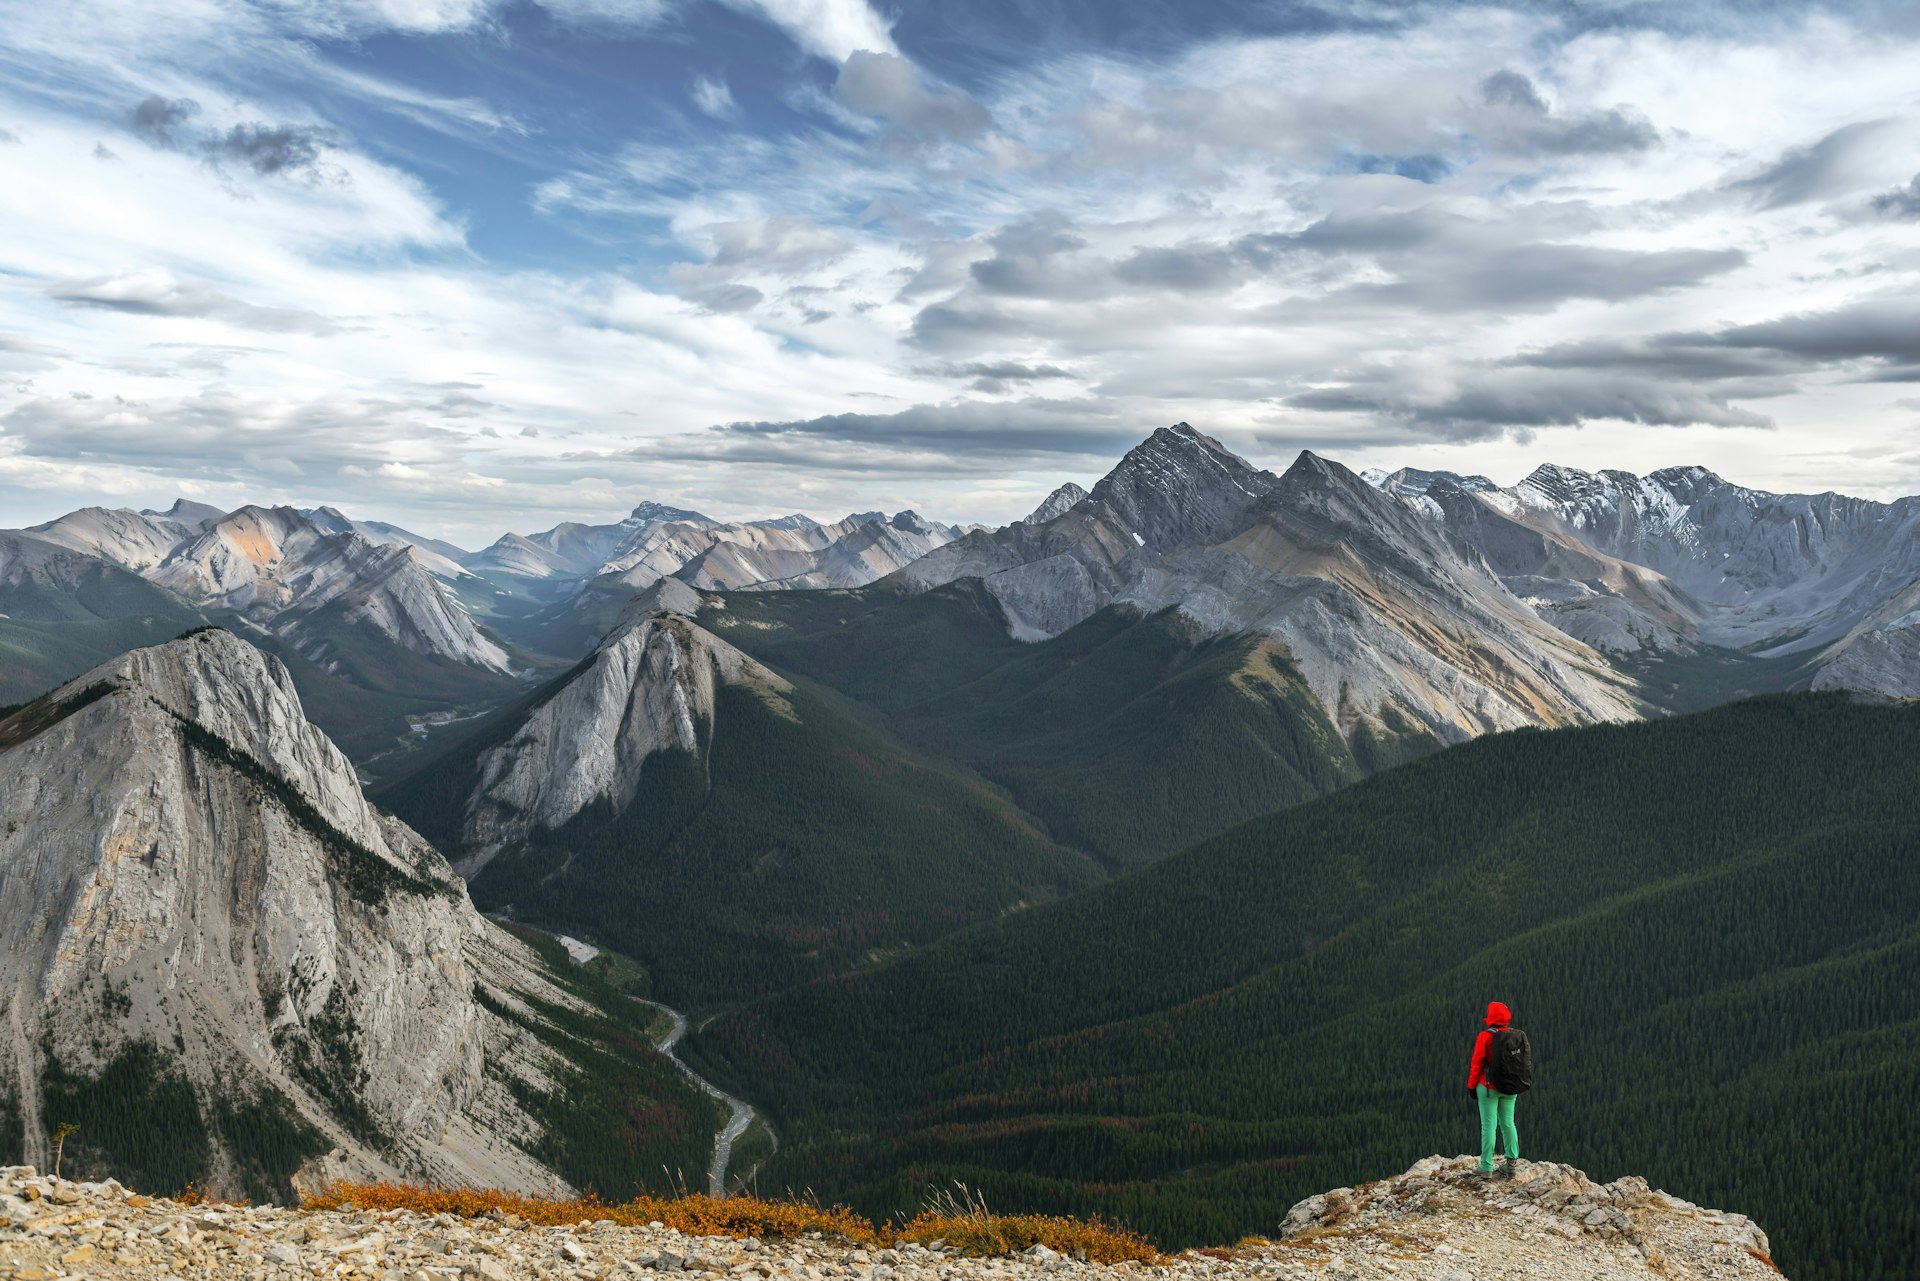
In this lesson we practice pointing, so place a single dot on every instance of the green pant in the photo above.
(1496, 1110)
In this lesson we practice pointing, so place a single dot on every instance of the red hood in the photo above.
(1498, 1015)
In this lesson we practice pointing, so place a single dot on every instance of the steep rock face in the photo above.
(1613, 605)
(649, 688)
(1385, 613)
(176, 831)
(1058, 503)
(1178, 488)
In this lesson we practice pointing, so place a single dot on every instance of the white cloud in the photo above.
(711, 95)
(834, 29)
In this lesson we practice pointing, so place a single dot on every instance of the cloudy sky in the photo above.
(486, 264)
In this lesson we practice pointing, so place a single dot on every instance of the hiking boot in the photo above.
(1506, 1169)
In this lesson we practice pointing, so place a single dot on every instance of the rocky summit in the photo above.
(1433, 1223)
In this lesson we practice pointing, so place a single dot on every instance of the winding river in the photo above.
(740, 1112)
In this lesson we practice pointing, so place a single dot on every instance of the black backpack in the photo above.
(1509, 1061)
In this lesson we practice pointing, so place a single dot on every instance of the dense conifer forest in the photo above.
(1129, 736)
(801, 839)
(1709, 925)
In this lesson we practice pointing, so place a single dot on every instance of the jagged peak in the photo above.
(650, 512)
(909, 521)
(1062, 500)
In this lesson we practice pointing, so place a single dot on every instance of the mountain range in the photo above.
(1019, 855)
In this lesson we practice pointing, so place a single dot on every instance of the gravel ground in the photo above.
(1435, 1222)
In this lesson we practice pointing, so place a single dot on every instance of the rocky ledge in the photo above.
(1531, 1219)
(1435, 1222)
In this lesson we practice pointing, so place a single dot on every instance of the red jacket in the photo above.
(1498, 1016)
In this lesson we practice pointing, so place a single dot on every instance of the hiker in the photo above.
(1502, 1068)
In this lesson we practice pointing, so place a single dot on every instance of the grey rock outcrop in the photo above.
(648, 688)
(176, 835)
(1541, 1219)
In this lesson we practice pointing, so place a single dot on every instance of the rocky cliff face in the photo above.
(648, 688)
(189, 869)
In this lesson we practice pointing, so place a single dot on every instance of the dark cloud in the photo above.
(1506, 88)
(157, 293)
(1829, 167)
(1670, 379)
(266, 149)
(892, 89)
(996, 377)
(1485, 401)
(1882, 329)
(1527, 123)
(272, 149)
(1901, 202)
(724, 298)
(156, 119)
(1006, 370)
(1539, 277)
(1028, 256)
(973, 435)
(1440, 262)
(1683, 357)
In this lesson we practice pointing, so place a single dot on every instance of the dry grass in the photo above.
(696, 1215)
(959, 1219)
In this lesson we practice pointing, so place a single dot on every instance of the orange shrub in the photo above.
(969, 1230)
(740, 1216)
(987, 1234)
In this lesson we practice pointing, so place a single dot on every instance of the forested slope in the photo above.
(799, 839)
(1129, 735)
(1710, 926)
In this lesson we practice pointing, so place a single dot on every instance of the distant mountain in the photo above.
(656, 541)
(1681, 560)
(731, 828)
(226, 965)
(375, 640)
(441, 558)
(275, 564)
(1709, 926)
